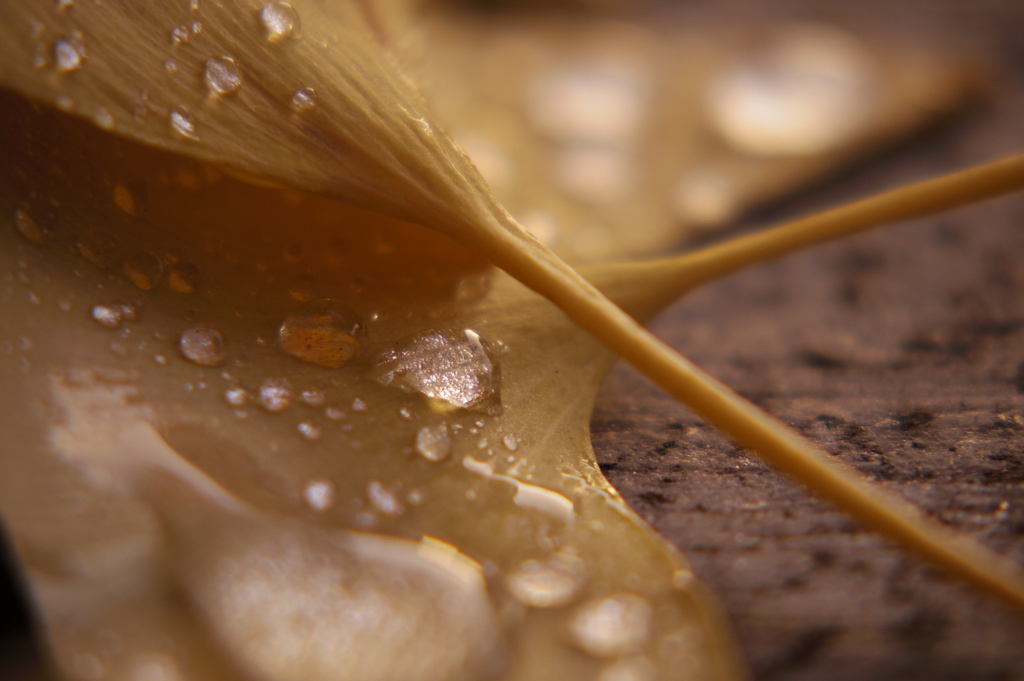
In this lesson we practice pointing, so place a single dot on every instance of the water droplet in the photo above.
(433, 442)
(29, 228)
(36, 28)
(613, 626)
(113, 315)
(280, 21)
(454, 369)
(144, 270)
(303, 288)
(323, 332)
(222, 76)
(34, 298)
(64, 305)
(310, 430)
(313, 397)
(179, 36)
(542, 225)
(597, 175)
(510, 442)
(69, 53)
(276, 394)
(472, 288)
(382, 498)
(405, 413)
(319, 494)
(124, 199)
(161, 360)
(493, 162)
(184, 277)
(304, 99)
(237, 396)
(803, 92)
(98, 249)
(196, 27)
(705, 198)
(40, 56)
(601, 102)
(103, 118)
(170, 66)
(182, 123)
(683, 579)
(634, 668)
(202, 344)
(549, 583)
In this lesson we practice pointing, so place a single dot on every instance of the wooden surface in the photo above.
(902, 353)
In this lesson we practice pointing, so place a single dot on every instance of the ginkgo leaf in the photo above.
(196, 450)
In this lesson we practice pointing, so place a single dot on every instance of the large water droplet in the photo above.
(613, 626)
(433, 442)
(549, 583)
(182, 123)
(454, 369)
(69, 53)
(222, 76)
(280, 21)
(28, 227)
(202, 344)
(304, 99)
(276, 394)
(144, 270)
(323, 332)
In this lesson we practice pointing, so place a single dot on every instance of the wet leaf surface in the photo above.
(185, 438)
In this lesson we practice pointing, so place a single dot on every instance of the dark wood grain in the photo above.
(902, 353)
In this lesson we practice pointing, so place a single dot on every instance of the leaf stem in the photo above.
(686, 271)
(536, 267)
